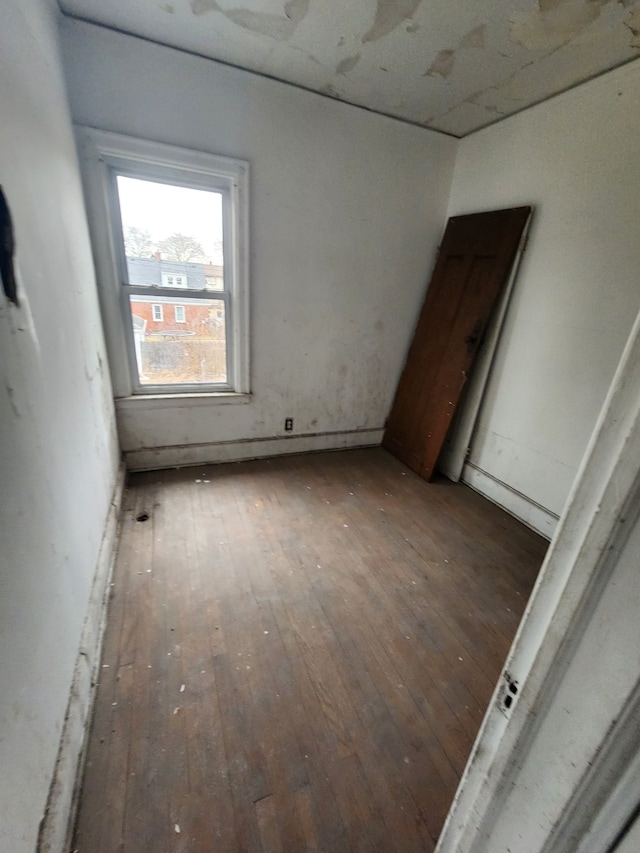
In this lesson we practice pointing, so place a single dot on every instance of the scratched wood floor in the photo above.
(298, 656)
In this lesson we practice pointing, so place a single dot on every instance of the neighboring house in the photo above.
(171, 317)
(161, 272)
(347, 211)
(175, 317)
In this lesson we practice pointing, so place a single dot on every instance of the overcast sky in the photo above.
(163, 210)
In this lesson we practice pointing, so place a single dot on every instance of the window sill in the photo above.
(171, 401)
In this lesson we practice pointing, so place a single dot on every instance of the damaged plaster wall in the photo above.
(58, 453)
(346, 212)
(575, 159)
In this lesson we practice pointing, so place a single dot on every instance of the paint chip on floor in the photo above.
(182, 688)
(177, 827)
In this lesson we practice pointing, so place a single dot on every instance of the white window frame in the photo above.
(104, 156)
(180, 309)
(159, 311)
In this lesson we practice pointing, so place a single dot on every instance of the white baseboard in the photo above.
(535, 516)
(152, 458)
(57, 824)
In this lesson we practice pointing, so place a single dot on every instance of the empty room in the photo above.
(320, 418)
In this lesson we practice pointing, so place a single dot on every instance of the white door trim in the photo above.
(603, 505)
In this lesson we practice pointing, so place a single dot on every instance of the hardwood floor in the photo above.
(298, 656)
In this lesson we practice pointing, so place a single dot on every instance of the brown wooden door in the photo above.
(473, 264)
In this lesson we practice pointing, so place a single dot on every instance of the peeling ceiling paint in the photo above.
(443, 64)
(632, 22)
(554, 23)
(389, 15)
(346, 65)
(280, 27)
(452, 66)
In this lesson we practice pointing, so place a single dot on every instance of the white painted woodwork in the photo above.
(347, 210)
(521, 506)
(631, 842)
(56, 828)
(235, 451)
(574, 159)
(58, 450)
(100, 153)
(553, 760)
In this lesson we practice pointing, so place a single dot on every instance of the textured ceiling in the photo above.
(450, 65)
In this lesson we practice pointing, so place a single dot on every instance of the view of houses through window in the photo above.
(174, 261)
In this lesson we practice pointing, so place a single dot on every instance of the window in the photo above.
(164, 221)
(171, 280)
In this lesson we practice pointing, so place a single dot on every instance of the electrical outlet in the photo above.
(288, 424)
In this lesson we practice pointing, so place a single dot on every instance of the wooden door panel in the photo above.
(475, 257)
(434, 393)
(425, 350)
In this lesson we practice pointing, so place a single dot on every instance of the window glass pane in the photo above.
(172, 234)
(186, 345)
(214, 279)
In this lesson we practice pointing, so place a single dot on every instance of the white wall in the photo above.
(58, 452)
(557, 768)
(347, 208)
(575, 158)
